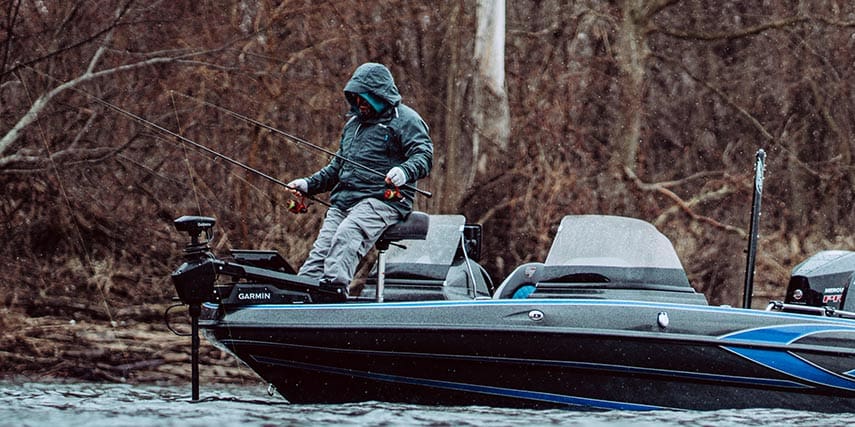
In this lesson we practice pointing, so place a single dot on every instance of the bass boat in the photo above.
(608, 320)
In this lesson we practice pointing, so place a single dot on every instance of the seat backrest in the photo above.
(528, 274)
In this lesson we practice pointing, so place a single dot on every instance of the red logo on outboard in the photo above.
(831, 298)
(833, 295)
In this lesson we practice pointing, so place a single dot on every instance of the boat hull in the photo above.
(544, 353)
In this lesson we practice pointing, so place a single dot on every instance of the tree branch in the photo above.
(751, 31)
(22, 163)
(742, 111)
(114, 24)
(42, 101)
(686, 206)
(14, 8)
(652, 7)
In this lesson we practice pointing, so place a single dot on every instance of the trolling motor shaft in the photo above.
(194, 280)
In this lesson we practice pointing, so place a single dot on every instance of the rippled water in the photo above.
(89, 404)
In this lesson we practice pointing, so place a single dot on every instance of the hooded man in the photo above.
(382, 135)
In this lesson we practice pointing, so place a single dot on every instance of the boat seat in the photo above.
(521, 282)
(414, 227)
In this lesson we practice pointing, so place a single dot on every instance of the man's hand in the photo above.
(298, 187)
(396, 177)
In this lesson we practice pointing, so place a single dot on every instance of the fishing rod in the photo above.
(300, 141)
(295, 206)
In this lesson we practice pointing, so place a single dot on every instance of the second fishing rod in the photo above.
(298, 140)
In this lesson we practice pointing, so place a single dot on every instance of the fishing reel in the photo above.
(297, 206)
(393, 194)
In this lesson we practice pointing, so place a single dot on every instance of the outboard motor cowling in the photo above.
(823, 280)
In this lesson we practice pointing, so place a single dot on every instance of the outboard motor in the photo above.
(820, 284)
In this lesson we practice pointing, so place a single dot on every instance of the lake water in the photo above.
(89, 404)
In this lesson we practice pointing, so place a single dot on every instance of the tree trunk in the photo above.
(453, 159)
(490, 114)
(630, 57)
(477, 120)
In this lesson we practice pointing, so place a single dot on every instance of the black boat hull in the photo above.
(533, 353)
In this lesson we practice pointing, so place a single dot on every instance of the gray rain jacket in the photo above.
(395, 136)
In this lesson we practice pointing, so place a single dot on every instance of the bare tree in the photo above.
(649, 109)
(491, 116)
(23, 157)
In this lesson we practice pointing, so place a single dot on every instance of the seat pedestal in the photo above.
(414, 227)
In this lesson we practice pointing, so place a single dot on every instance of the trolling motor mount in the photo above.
(194, 279)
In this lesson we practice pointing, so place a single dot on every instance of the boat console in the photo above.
(441, 265)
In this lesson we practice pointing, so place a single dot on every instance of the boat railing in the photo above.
(807, 309)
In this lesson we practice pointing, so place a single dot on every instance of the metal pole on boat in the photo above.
(753, 231)
(195, 312)
(381, 274)
(466, 260)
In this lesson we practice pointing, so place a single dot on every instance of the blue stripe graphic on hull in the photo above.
(787, 362)
(456, 386)
(786, 334)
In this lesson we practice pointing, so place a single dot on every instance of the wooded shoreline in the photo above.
(126, 350)
(648, 109)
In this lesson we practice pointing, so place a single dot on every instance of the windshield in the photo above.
(611, 241)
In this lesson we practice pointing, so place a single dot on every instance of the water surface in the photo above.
(94, 404)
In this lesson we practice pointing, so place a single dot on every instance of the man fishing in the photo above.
(381, 135)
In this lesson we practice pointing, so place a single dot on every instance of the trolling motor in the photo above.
(194, 279)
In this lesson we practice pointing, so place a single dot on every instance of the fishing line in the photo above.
(186, 159)
(193, 186)
(299, 140)
(67, 200)
(181, 138)
(210, 201)
(192, 143)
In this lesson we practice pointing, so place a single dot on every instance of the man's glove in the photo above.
(396, 177)
(299, 185)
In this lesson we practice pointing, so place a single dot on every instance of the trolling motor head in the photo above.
(194, 279)
(194, 226)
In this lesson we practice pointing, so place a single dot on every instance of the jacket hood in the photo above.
(375, 80)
